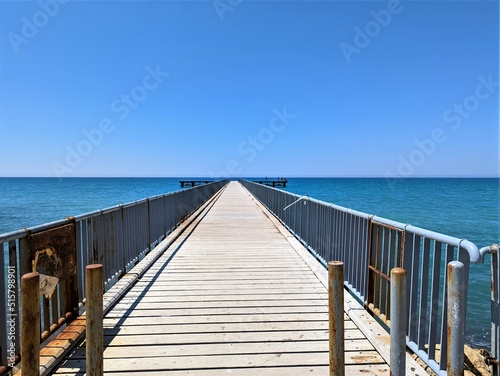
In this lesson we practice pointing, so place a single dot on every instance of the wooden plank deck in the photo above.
(232, 295)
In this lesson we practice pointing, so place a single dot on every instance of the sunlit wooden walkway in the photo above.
(235, 294)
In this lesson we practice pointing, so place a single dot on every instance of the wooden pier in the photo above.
(234, 294)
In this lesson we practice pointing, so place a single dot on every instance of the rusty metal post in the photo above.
(94, 316)
(456, 320)
(398, 315)
(30, 325)
(336, 317)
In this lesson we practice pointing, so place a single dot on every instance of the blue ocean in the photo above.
(464, 208)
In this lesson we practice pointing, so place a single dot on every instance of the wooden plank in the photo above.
(212, 304)
(186, 284)
(223, 299)
(226, 361)
(351, 370)
(128, 328)
(119, 352)
(222, 337)
(217, 311)
(271, 277)
(235, 286)
(218, 328)
(207, 293)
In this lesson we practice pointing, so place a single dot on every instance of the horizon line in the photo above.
(257, 177)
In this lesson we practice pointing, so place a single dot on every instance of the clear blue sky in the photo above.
(249, 88)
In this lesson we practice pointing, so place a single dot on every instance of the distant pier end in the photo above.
(280, 182)
(193, 183)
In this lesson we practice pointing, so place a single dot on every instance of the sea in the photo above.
(460, 207)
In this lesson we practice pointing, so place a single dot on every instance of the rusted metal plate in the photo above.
(56, 251)
(386, 251)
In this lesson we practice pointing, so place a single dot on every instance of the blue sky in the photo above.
(249, 88)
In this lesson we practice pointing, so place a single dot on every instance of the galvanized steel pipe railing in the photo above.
(494, 359)
(455, 319)
(116, 237)
(370, 247)
(399, 321)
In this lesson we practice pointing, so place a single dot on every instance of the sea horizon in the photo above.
(255, 177)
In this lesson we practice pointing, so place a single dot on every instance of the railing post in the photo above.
(495, 310)
(456, 320)
(398, 316)
(94, 317)
(336, 317)
(30, 326)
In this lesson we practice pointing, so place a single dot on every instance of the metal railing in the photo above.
(494, 359)
(117, 238)
(369, 247)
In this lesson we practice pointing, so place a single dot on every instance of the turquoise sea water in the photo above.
(26, 202)
(464, 208)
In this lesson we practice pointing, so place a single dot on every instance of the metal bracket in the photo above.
(491, 250)
(293, 203)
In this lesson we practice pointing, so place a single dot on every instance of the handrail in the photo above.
(490, 250)
(471, 248)
(494, 358)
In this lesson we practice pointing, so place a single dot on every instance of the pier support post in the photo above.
(398, 315)
(336, 317)
(456, 320)
(30, 325)
(94, 317)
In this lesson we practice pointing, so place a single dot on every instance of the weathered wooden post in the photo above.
(398, 314)
(336, 317)
(94, 346)
(30, 326)
(455, 319)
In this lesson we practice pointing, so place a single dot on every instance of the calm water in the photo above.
(464, 208)
(26, 202)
